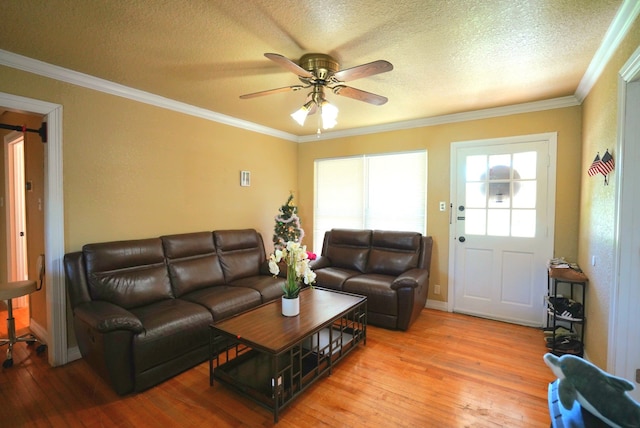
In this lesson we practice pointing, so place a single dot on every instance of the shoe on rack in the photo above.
(565, 308)
(571, 312)
(569, 346)
(560, 331)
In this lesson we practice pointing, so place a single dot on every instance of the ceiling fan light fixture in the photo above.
(320, 71)
(329, 114)
(300, 115)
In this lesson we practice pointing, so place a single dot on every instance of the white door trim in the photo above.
(552, 139)
(56, 296)
(623, 302)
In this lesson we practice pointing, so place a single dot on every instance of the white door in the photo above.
(16, 226)
(502, 226)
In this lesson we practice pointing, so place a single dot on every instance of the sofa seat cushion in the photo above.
(381, 297)
(270, 288)
(172, 328)
(224, 301)
(333, 277)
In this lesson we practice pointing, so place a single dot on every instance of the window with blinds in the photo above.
(386, 192)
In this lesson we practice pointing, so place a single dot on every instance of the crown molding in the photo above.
(51, 71)
(624, 19)
(562, 102)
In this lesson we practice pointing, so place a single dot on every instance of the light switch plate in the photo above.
(245, 178)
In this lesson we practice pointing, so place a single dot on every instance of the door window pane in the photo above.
(524, 223)
(500, 195)
(475, 196)
(526, 165)
(476, 167)
(498, 222)
(499, 167)
(475, 222)
(525, 197)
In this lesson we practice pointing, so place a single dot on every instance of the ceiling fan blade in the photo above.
(364, 70)
(272, 91)
(288, 64)
(360, 95)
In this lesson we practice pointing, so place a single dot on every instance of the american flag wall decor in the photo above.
(602, 166)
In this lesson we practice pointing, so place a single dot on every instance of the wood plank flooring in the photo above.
(448, 370)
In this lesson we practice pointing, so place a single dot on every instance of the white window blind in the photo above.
(370, 192)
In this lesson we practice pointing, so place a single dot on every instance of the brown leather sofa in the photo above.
(141, 308)
(390, 268)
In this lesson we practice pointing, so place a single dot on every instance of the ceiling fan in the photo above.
(320, 71)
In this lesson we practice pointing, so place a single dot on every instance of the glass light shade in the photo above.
(300, 115)
(329, 115)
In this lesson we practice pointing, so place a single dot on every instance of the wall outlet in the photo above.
(436, 289)
(443, 206)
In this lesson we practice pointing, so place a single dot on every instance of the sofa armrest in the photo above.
(320, 262)
(106, 317)
(411, 278)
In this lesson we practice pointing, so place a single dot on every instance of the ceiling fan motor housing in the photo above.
(322, 66)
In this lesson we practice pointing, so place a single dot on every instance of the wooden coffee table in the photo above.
(271, 358)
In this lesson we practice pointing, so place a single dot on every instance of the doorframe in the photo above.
(623, 302)
(56, 300)
(552, 139)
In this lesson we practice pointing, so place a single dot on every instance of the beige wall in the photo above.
(437, 140)
(597, 206)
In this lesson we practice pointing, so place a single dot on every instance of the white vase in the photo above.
(290, 307)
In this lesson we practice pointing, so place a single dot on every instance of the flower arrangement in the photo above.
(297, 260)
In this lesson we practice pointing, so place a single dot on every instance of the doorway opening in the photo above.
(23, 221)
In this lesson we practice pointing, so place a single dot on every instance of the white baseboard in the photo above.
(436, 304)
(38, 331)
(73, 354)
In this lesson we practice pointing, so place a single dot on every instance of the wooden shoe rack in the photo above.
(560, 281)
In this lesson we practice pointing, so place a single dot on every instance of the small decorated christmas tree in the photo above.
(287, 226)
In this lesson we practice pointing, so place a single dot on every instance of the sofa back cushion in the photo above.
(393, 253)
(193, 262)
(348, 249)
(127, 273)
(241, 253)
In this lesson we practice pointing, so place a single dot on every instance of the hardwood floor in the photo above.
(448, 370)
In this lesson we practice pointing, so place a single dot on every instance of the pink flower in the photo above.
(311, 256)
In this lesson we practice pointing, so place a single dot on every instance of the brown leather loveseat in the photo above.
(141, 308)
(391, 268)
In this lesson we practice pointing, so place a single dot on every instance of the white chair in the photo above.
(12, 290)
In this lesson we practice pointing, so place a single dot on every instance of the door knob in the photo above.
(461, 239)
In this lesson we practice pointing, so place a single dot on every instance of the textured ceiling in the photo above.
(449, 56)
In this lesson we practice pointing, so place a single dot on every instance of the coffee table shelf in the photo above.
(275, 369)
